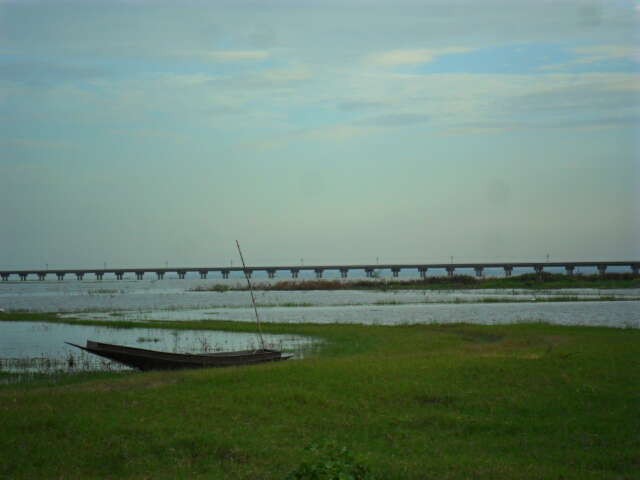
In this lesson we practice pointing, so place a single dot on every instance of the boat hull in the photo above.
(143, 359)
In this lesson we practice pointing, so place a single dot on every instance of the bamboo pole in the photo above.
(253, 299)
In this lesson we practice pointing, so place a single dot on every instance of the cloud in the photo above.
(332, 133)
(274, 78)
(215, 56)
(555, 101)
(35, 143)
(46, 73)
(595, 54)
(396, 120)
(599, 53)
(485, 103)
(395, 58)
(286, 75)
(236, 55)
(17, 151)
(263, 36)
(572, 100)
(581, 123)
(359, 105)
(575, 93)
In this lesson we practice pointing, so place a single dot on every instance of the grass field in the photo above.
(409, 402)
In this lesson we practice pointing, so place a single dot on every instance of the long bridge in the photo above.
(294, 270)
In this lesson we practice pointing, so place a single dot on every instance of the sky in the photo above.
(139, 133)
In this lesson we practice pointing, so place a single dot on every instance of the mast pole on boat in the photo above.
(253, 299)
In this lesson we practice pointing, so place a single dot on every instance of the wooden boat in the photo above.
(154, 360)
(143, 359)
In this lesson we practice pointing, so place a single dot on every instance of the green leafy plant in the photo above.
(330, 461)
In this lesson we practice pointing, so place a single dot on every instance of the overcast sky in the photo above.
(139, 132)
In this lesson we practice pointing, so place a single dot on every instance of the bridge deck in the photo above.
(601, 265)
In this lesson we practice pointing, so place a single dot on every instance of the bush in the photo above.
(330, 462)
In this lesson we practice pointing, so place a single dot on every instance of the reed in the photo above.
(526, 281)
(217, 287)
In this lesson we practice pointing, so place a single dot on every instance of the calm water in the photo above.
(171, 299)
(609, 314)
(39, 346)
(24, 345)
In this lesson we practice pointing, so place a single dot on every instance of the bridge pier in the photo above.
(539, 268)
(248, 272)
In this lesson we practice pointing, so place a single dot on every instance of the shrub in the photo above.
(331, 462)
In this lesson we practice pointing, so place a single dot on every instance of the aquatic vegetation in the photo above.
(545, 280)
(148, 339)
(30, 368)
(216, 287)
(44, 332)
(393, 302)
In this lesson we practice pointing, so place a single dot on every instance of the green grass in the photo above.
(411, 402)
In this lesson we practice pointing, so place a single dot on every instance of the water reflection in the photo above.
(622, 314)
(114, 296)
(40, 347)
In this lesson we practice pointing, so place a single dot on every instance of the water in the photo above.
(40, 346)
(173, 294)
(171, 299)
(609, 314)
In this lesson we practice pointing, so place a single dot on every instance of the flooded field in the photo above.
(127, 295)
(173, 299)
(40, 347)
(623, 314)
